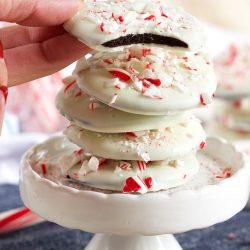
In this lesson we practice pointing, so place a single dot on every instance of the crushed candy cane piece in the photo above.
(163, 13)
(125, 165)
(102, 161)
(122, 75)
(148, 18)
(146, 52)
(102, 27)
(148, 182)
(156, 82)
(121, 19)
(132, 134)
(93, 105)
(44, 168)
(233, 51)
(202, 145)
(226, 173)
(141, 165)
(79, 152)
(69, 86)
(88, 166)
(205, 99)
(134, 185)
(79, 93)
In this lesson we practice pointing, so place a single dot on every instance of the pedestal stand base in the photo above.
(115, 242)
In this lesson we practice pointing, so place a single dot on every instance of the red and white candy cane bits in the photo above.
(18, 219)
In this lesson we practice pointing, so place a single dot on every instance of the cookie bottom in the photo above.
(83, 186)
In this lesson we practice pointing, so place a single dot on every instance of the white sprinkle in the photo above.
(117, 170)
(180, 87)
(145, 156)
(93, 164)
(153, 92)
(111, 27)
(129, 17)
(138, 86)
(113, 100)
(83, 169)
(120, 85)
(89, 166)
(147, 73)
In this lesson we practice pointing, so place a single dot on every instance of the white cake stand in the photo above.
(241, 141)
(244, 146)
(140, 222)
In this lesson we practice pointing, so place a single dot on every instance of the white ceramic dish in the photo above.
(192, 206)
(244, 146)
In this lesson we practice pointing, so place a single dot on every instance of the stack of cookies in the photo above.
(131, 102)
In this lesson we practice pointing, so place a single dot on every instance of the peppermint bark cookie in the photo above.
(104, 25)
(135, 176)
(176, 140)
(73, 167)
(91, 114)
(232, 68)
(236, 116)
(148, 81)
(129, 107)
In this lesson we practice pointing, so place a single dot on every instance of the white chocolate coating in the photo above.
(129, 106)
(110, 175)
(148, 81)
(164, 176)
(173, 142)
(93, 115)
(233, 71)
(219, 130)
(236, 116)
(101, 21)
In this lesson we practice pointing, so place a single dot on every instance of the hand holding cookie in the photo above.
(38, 45)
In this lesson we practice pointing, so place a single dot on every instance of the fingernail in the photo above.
(1, 50)
(4, 91)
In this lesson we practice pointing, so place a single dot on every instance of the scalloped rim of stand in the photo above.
(124, 214)
(243, 145)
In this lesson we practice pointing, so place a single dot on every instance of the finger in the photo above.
(3, 83)
(33, 61)
(26, 35)
(3, 70)
(38, 12)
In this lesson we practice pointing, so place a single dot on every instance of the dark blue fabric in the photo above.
(48, 236)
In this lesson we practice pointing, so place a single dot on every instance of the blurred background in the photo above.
(230, 14)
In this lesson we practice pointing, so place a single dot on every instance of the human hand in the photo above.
(38, 45)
